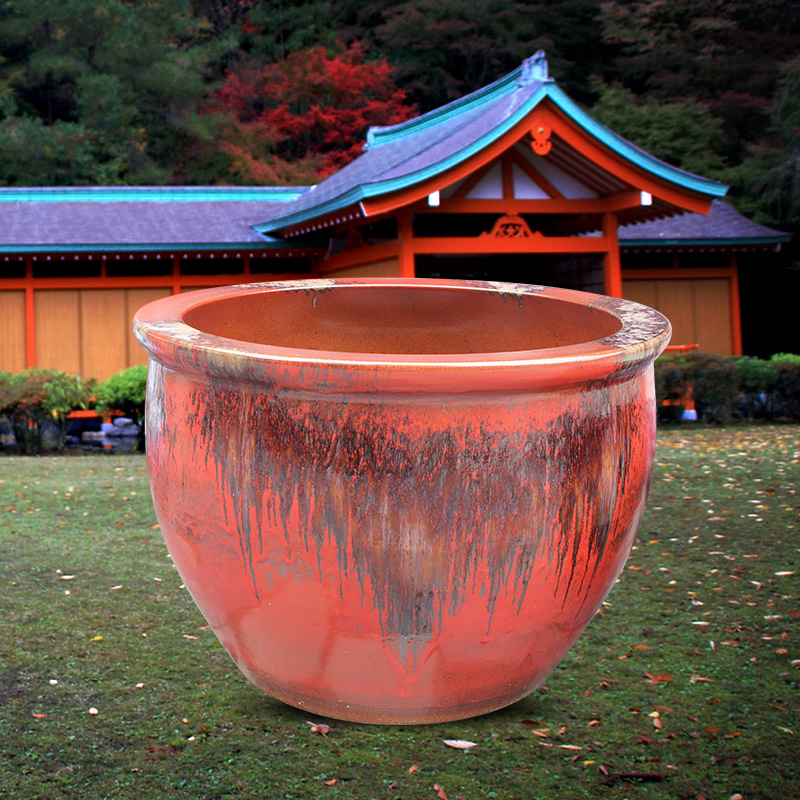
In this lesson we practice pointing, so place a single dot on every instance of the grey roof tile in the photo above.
(722, 223)
(132, 217)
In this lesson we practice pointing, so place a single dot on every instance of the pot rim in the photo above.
(644, 333)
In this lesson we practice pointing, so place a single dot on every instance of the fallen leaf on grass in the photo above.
(39, 716)
(460, 744)
(319, 727)
(700, 679)
(440, 793)
(656, 679)
(542, 733)
(331, 782)
(412, 769)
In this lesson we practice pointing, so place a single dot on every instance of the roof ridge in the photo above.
(532, 70)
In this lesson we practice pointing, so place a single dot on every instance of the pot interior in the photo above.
(401, 320)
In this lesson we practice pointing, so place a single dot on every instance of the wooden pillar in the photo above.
(736, 309)
(405, 235)
(30, 315)
(612, 271)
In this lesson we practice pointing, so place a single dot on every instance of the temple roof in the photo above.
(136, 218)
(404, 155)
(216, 218)
(398, 160)
(722, 226)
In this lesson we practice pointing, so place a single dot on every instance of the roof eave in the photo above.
(367, 191)
(618, 145)
(630, 152)
(154, 247)
(763, 241)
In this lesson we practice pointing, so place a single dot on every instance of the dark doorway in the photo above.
(584, 272)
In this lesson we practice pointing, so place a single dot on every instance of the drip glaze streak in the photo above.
(425, 523)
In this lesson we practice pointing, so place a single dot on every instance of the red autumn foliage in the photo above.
(307, 115)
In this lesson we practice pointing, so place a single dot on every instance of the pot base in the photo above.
(425, 715)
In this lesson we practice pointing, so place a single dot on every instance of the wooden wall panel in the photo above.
(12, 331)
(58, 330)
(712, 314)
(699, 309)
(104, 342)
(675, 300)
(134, 300)
(643, 292)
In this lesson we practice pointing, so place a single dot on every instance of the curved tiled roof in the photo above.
(408, 153)
(136, 218)
(722, 225)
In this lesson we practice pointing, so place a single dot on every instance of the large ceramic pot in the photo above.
(399, 500)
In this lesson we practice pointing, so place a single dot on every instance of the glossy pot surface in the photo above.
(399, 500)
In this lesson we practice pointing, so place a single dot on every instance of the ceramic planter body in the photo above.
(399, 500)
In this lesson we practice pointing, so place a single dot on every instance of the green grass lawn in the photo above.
(685, 686)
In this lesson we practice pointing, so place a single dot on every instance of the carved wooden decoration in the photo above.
(541, 143)
(510, 226)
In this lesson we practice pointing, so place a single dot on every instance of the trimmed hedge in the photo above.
(727, 388)
(35, 404)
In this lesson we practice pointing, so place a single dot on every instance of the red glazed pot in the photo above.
(399, 500)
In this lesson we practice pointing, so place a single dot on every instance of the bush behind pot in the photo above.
(124, 393)
(37, 402)
(726, 388)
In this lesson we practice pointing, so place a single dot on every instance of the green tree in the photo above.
(768, 181)
(682, 133)
(119, 82)
(726, 54)
(444, 49)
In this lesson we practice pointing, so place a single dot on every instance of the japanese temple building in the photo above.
(511, 183)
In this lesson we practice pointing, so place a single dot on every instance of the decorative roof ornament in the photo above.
(534, 69)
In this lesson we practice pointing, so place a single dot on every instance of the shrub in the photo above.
(671, 389)
(757, 380)
(124, 393)
(38, 401)
(787, 384)
(713, 385)
(722, 388)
